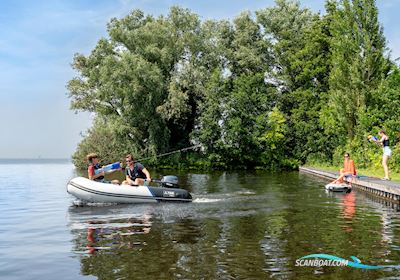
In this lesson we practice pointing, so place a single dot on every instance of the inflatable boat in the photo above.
(92, 191)
(338, 187)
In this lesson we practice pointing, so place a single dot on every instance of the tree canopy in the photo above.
(271, 89)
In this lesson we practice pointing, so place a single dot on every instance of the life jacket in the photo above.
(349, 167)
(97, 166)
(137, 171)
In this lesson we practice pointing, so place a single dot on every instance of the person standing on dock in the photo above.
(387, 152)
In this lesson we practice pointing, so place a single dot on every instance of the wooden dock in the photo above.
(385, 189)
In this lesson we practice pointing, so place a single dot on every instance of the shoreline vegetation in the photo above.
(274, 89)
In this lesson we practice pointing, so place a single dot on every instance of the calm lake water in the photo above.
(246, 225)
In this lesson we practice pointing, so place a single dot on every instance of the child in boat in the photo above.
(93, 160)
(348, 170)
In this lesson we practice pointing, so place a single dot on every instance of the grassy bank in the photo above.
(361, 172)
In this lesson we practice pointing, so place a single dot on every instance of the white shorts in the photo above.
(387, 151)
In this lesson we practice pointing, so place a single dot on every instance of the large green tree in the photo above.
(282, 86)
(299, 72)
(358, 62)
(234, 109)
(146, 76)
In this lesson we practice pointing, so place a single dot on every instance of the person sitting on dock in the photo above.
(94, 164)
(135, 172)
(349, 170)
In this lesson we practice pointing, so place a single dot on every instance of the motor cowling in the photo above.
(169, 181)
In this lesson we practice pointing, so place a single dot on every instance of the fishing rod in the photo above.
(172, 152)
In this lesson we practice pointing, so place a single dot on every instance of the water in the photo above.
(241, 225)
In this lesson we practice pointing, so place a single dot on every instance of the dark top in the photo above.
(137, 171)
(385, 143)
(91, 170)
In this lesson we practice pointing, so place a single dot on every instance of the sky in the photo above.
(39, 38)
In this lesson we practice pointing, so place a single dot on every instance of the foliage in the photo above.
(103, 140)
(271, 90)
(381, 114)
(358, 63)
(231, 122)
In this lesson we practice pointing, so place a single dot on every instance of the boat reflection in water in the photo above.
(119, 241)
(98, 233)
(108, 228)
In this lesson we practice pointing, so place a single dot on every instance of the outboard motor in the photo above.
(169, 181)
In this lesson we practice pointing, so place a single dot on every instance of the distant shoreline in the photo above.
(34, 160)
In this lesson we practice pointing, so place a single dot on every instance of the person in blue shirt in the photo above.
(135, 172)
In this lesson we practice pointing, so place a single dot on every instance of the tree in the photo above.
(300, 71)
(358, 62)
(143, 76)
(249, 51)
(284, 86)
(236, 95)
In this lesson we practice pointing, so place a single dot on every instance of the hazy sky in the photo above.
(37, 43)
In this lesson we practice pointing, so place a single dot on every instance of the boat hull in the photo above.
(92, 191)
(338, 188)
